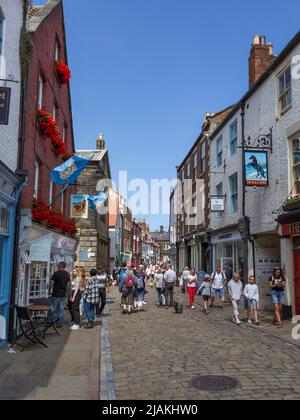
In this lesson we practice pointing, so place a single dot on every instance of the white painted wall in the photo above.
(10, 64)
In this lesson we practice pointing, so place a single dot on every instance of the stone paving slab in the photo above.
(157, 353)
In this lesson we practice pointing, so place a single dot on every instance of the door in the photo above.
(297, 280)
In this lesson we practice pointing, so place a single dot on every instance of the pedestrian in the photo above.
(75, 298)
(58, 291)
(159, 285)
(235, 288)
(218, 284)
(170, 279)
(192, 287)
(251, 293)
(206, 292)
(185, 275)
(126, 288)
(277, 284)
(122, 277)
(140, 285)
(91, 298)
(82, 287)
(104, 280)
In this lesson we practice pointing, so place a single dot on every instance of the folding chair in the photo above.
(29, 328)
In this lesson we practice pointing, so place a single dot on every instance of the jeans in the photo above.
(100, 309)
(74, 309)
(59, 305)
(236, 304)
(159, 295)
(169, 294)
(89, 309)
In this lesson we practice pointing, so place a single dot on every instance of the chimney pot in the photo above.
(261, 57)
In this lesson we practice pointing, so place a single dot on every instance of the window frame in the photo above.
(219, 152)
(284, 93)
(233, 210)
(234, 140)
(203, 157)
(40, 95)
(36, 180)
(295, 182)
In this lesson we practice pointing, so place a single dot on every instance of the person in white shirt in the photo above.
(251, 293)
(235, 288)
(218, 284)
(192, 287)
(170, 279)
(185, 276)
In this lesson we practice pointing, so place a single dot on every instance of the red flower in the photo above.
(63, 72)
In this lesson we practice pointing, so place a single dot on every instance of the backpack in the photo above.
(140, 283)
(129, 283)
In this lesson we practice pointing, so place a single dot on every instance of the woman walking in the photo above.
(159, 284)
(140, 285)
(277, 285)
(192, 287)
(235, 289)
(75, 298)
(126, 286)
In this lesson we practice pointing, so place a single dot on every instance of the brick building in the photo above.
(41, 247)
(94, 245)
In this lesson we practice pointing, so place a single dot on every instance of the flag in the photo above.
(93, 200)
(69, 171)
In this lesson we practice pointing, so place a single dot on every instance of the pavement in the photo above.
(155, 355)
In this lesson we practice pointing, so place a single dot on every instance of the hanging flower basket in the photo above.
(63, 72)
(49, 128)
(55, 220)
(292, 203)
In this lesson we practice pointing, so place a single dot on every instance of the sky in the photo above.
(145, 72)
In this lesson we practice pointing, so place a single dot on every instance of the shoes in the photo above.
(238, 322)
(75, 327)
(193, 308)
(145, 303)
(250, 322)
(89, 326)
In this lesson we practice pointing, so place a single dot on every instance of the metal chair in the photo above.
(30, 329)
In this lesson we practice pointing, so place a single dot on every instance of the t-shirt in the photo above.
(276, 281)
(193, 283)
(75, 284)
(251, 292)
(159, 279)
(218, 280)
(206, 289)
(236, 289)
(61, 279)
(170, 276)
(103, 279)
(185, 275)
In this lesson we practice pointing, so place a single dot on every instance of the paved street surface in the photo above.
(157, 353)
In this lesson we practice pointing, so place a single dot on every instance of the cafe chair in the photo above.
(30, 329)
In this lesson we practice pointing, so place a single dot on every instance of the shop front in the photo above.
(227, 251)
(9, 194)
(40, 252)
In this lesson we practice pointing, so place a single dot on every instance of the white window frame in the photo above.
(295, 183)
(233, 140)
(40, 92)
(56, 52)
(219, 152)
(36, 180)
(203, 157)
(285, 92)
(231, 194)
(50, 192)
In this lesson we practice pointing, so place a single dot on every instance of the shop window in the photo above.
(296, 165)
(233, 194)
(38, 281)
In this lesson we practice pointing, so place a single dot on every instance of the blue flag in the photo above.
(93, 200)
(69, 171)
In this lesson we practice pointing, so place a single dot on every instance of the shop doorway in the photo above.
(297, 280)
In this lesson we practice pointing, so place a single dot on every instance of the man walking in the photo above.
(218, 284)
(91, 296)
(58, 290)
(170, 278)
(103, 279)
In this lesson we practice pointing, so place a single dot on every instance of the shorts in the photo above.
(218, 292)
(252, 303)
(278, 298)
(206, 298)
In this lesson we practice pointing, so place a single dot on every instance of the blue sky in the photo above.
(144, 72)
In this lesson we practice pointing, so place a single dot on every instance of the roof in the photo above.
(93, 155)
(37, 14)
(280, 59)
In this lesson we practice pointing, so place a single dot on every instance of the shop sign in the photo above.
(79, 207)
(217, 205)
(5, 94)
(4, 218)
(256, 168)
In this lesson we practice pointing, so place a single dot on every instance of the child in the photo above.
(235, 289)
(252, 295)
(205, 292)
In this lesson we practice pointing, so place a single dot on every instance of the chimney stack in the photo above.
(101, 142)
(261, 57)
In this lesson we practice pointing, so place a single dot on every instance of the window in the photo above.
(219, 193)
(195, 166)
(233, 139)
(296, 165)
(40, 92)
(1, 31)
(64, 133)
(285, 91)
(233, 194)
(62, 202)
(36, 180)
(56, 52)
(188, 170)
(219, 152)
(203, 157)
(50, 193)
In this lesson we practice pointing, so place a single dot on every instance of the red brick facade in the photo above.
(38, 148)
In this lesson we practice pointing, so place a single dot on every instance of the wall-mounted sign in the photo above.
(256, 168)
(217, 204)
(5, 94)
(79, 207)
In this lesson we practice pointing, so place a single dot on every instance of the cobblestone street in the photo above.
(156, 354)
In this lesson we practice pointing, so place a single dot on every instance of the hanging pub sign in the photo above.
(5, 94)
(79, 207)
(217, 204)
(256, 168)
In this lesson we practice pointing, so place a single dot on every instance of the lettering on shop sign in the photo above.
(5, 94)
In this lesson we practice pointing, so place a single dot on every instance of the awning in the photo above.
(289, 218)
